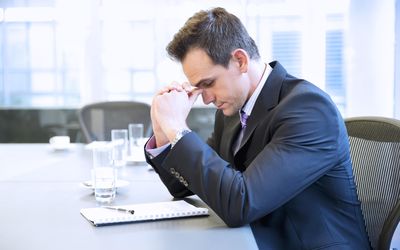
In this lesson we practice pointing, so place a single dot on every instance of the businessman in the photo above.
(278, 157)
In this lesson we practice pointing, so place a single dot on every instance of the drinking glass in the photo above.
(135, 139)
(104, 174)
(119, 139)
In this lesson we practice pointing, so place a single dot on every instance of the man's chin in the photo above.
(229, 112)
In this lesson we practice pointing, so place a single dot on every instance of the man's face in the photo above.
(226, 88)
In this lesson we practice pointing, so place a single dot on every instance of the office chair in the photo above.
(375, 153)
(98, 119)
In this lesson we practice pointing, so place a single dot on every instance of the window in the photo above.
(34, 70)
(116, 49)
(335, 63)
(286, 47)
(335, 81)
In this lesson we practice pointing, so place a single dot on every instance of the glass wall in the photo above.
(66, 53)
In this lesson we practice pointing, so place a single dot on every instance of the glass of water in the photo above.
(135, 139)
(104, 174)
(119, 139)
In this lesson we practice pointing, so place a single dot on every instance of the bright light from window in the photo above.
(85, 51)
(144, 82)
(117, 81)
(44, 101)
(37, 14)
(42, 46)
(43, 83)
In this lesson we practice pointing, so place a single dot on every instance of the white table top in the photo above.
(42, 194)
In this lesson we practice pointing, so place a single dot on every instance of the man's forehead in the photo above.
(196, 74)
(198, 77)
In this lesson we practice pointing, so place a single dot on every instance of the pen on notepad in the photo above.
(131, 211)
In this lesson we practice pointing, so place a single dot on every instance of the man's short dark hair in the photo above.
(217, 32)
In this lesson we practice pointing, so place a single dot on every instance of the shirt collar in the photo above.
(248, 107)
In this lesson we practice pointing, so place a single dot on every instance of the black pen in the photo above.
(131, 211)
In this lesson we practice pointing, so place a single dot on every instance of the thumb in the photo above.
(194, 95)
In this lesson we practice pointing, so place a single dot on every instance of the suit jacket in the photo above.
(291, 178)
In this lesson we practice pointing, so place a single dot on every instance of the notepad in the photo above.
(99, 216)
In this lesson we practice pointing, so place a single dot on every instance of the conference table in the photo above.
(41, 194)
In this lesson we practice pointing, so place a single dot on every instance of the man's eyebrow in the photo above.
(202, 82)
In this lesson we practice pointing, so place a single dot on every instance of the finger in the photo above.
(194, 95)
(176, 85)
(170, 88)
(187, 87)
(195, 91)
(162, 91)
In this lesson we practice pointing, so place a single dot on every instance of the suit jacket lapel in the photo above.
(268, 98)
(229, 135)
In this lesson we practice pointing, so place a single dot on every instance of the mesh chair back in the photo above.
(98, 119)
(375, 153)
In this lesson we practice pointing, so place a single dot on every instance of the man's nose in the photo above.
(207, 97)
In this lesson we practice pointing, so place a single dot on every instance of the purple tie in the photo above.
(243, 119)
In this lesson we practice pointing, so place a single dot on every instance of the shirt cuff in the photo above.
(151, 148)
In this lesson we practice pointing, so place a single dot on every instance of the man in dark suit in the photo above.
(279, 155)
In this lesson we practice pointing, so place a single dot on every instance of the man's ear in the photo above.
(241, 58)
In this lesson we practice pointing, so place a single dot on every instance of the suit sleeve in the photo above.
(301, 147)
(173, 184)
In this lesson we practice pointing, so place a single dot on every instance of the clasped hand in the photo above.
(169, 110)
